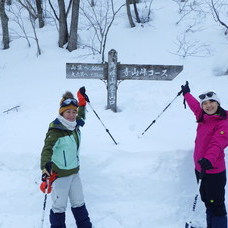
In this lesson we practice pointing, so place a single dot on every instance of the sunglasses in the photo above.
(69, 101)
(209, 94)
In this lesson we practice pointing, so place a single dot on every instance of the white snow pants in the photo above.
(65, 187)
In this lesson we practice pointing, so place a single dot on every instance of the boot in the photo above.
(219, 221)
(57, 220)
(82, 217)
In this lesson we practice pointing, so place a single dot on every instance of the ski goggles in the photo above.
(69, 101)
(208, 94)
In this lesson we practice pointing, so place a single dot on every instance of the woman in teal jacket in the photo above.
(61, 150)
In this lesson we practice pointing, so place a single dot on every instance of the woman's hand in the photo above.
(82, 96)
(185, 88)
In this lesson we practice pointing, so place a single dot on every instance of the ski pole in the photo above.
(44, 204)
(47, 182)
(102, 123)
(190, 223)
(179, 93)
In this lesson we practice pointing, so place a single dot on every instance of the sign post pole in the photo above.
(112, 80)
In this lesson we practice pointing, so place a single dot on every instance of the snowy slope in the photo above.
(143, 182)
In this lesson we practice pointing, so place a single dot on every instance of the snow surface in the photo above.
(143, 182)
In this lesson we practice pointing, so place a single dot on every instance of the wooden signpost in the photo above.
(112, 71)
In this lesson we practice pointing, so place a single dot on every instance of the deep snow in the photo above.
(143, 182)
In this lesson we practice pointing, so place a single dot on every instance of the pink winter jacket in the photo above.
(211, 137)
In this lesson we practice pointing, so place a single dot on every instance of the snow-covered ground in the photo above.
(143, 182)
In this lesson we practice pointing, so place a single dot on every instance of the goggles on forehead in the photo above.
(208, 94)
(69, 101)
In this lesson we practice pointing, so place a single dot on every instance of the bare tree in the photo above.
(29, 7)
(32, 17)
(35, 35)
(142, 13)
(40, 13)
(100, 19)
(92, 3)
(132, 24)
(108, 28)
(4, 19)
(63, 30)
(35, 11)
(72, 43)
(194, 9)
(136, 11)
(217, 16)
(53, 10)
(16, 16)
(64, 36)
(188, 47)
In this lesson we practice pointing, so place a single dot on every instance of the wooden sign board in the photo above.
(114, 71)
(86, 70)
(124, 71)
(148, 72)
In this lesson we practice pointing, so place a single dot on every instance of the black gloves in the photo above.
(80, 122)
(185, 88)
(48, 166)
(47, 171)
(82, 91)
(205, 164)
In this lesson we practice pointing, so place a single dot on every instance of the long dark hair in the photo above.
(220, 111)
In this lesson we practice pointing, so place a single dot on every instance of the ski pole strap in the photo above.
(184, 102)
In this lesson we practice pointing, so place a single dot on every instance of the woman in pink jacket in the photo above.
(209, 158)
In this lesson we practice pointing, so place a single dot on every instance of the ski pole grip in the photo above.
(179, 93)
(48, 166)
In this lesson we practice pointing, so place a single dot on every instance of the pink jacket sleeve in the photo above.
(193, 104)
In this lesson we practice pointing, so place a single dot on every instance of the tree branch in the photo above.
(217, 15)
(53, 10)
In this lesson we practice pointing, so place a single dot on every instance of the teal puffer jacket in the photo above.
(61, 146)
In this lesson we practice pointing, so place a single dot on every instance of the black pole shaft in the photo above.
(179, 93)
(44, 204)
(102, 123)
(45, 201)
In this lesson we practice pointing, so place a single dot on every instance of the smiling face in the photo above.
(70, 115)
(210, 107)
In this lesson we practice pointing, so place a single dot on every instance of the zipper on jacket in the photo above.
(64, 157)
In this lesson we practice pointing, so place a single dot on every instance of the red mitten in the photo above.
(81, 99)
(82, 96)
(46, 185)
